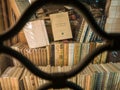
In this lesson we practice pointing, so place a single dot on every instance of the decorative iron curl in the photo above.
(111, 38)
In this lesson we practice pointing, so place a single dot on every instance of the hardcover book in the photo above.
(61, 28)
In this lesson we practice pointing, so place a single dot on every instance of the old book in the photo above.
(35, 33)
(57, 48)
(4, 78)
(114, 73)
(12, 78)
(77, 48)
(52, 55)
(61, 26)
(32, 82)
(17, 78)
(100, 76)
(36, 56)
(92, 75)
(39, 55)
(88, 78)
(59, 53)
(107, 75)
(22, 80)
(27, 80)
(112, 77)
(71, 54)
(84, 31)
(48, 54)
(66, 46)
(104, 57)
(84, 50)
(98, 57)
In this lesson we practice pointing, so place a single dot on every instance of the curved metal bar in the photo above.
(67, 84)
(46, 86)
(39, 3)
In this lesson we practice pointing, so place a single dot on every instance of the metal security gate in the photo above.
(59, 80)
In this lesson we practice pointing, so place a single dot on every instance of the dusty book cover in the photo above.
(61, 28)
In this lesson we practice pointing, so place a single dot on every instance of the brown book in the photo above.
(104, 57)
(66, 54)
(13, 80)
(60, 26)
(4, 79)
(76, 52)
(27, 80)
(98, 57)
(59, 56)
(80, 30)
(22, 80)
(84, 50)
(48, 54)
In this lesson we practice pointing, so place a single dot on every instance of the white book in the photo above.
(36, 34)
(71, 54)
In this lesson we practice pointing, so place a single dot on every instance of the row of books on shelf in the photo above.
(59, 53)
(93, 77)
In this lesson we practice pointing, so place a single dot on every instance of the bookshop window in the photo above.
(61, 44)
